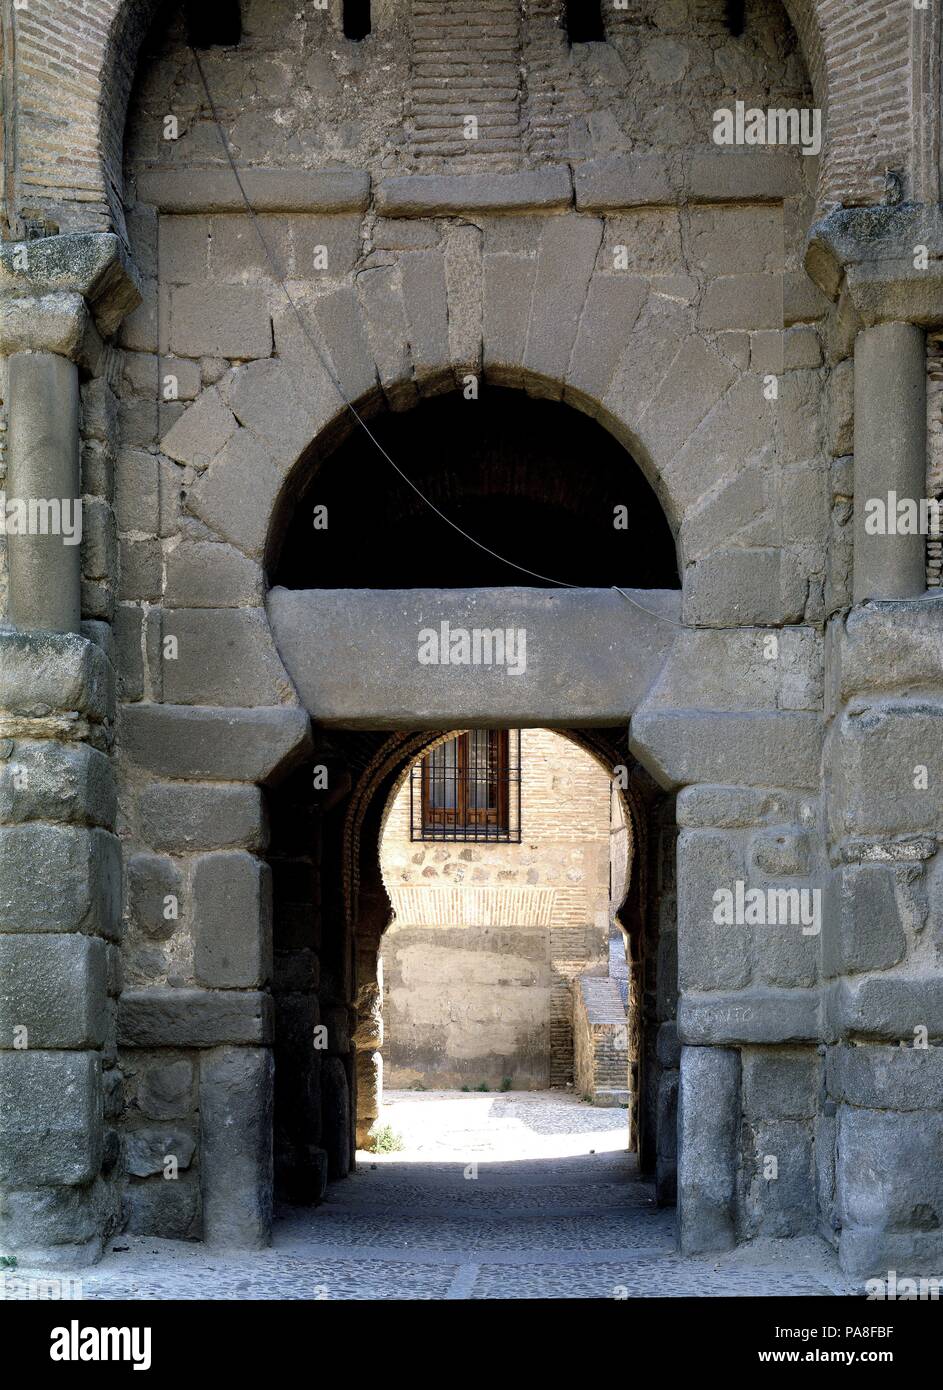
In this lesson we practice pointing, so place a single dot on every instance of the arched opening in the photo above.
(533, 481)
(537, 482)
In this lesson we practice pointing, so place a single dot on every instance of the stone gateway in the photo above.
(295, 301)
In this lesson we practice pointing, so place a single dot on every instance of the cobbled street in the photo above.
(518, 1195)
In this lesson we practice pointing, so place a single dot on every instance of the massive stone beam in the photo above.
(394, 658)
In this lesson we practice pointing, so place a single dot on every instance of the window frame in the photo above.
(466, 821)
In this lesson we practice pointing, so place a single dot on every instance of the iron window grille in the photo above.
(468, 789)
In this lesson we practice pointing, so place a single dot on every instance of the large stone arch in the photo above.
(103, 44)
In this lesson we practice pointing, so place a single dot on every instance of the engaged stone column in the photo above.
(890, 457)
(43, 483)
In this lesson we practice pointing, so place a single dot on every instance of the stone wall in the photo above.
(601, 251)
(487, 941)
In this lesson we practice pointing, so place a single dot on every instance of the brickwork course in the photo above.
(203, 718)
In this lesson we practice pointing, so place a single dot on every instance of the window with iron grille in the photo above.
(469, 788)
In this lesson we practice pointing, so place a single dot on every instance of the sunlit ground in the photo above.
(456, 1125)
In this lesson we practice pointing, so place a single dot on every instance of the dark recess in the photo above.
(217, 25)
(584, 21)
(356, 19)
(534, 480)
(736, 17)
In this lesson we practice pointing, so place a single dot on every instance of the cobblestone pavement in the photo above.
(524, 1195)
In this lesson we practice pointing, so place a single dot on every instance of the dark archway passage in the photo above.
(541, 483)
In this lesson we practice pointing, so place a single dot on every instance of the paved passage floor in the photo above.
(524, 1194)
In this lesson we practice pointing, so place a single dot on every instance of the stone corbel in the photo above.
(874, 255)
(53, 290)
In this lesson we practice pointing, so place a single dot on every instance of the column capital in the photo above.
(875, 253)
(50, 287)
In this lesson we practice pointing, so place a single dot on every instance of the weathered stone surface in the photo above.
(913, 631)
(50, 1118)
(887, 1078)
(220, 321)
(58, 879)
(193, 1017)
(147, 1150)
(841, 409)
(155, 895)
(46, 780)
(170, 1210)
(708, 1123)
(236, 496)
(437, 195)
(92, 264)
(666, 1130)
(200, 743)
(733, 807)
(889, 1173)
(890, 1006)
(622, 181)
(205, 575)
(890, 448)
(566, 257)
(710, 956)
(862, 929)
(757, 749)
(780, 852)
(236, 1147)
(232, 920)
(778, 1084)
(223, 656)
(740, 587)
(755, 1015)
(712, 176)
(194, 815)
(43, 323)
(46, 672)
(876, 750)
(202, 431)
(335, 1112)
(54, 987)
(783, 1206)
(757, 669)
(268, 190)
(58, 1227)
(165, 1091)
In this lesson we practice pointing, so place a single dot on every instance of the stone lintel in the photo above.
(589, 655)
(215, 189)
(440, 195)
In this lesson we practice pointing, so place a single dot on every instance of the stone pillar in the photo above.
(45, 579)
(368, 1039)
(890, 455)
(59, 919)
(708, 1138)
(60, 861)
